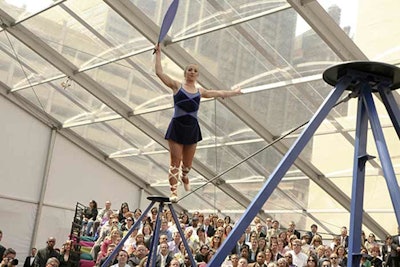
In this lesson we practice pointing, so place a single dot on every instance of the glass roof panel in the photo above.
(117, 137)
(199, 15)
(89, 39)
(344, 13)
(20, 66)
(22, 9)
(354, 17)
(134, 82)
(63, 104)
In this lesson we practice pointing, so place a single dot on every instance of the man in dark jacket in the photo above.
(46, 253)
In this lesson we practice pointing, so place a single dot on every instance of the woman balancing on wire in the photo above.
(183, 131)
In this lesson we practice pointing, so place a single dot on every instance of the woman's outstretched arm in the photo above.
(220, 93)
(168, 81)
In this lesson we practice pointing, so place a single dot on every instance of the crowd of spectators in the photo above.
(262, 244)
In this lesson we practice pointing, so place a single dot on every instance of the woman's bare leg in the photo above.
(187, 159)
(176, 151)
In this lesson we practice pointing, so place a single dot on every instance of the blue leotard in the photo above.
(184, 127)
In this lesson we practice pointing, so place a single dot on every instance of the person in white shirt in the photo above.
(299, 258)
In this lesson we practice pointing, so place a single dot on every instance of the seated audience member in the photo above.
(127, 225)
(110, 250)
(375, 260)
(165, 230)
(260, 260)
(174, 244)
(9, 259)
(102, 217)
(201, 255)
(299, 258)
(113, 238)
(342, 255)
(245, 252)
(163, 257)
(282, 262)
(53, 262)
(243, 262)
(312, 261)
(68, 257)
(174, 263)
(123, 213)
(105, 230)
(122, 259)
(289, 259)
(89, 215)
(208, 258)
(148, 234)
(140, 253)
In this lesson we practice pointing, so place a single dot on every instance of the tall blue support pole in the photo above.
(279, 172)
(391, 106)
(388, 171)
(185, 243)
(357, 193)
(152, 257)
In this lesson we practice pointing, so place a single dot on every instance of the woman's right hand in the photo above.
(157, 49)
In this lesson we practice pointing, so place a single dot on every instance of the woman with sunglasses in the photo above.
(312, 261)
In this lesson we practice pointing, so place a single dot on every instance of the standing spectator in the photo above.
(29, 259)
(396, 249)
(344, 238)
(208, 228)
(46, 253)
(2, 249)
(387, 251)
(292, 229)
(313, 232)
(274, 230)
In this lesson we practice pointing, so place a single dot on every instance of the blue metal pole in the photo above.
(391, 107)
(357, 194)
(152, 257)
(383, 152)
(279, 172)
(185, 243)
(121, 243)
